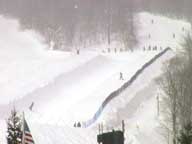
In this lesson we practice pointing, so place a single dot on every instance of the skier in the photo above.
(31, 106)
(121, 76)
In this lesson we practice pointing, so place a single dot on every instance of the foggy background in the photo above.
(81, 23)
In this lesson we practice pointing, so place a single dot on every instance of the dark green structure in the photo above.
(114, 137)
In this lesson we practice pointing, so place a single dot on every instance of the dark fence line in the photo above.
(122, 88)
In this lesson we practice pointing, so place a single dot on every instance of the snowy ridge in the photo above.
(122, 88)
(137, 105)
(40, 94)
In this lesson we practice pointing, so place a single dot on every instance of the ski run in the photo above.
(66, 88)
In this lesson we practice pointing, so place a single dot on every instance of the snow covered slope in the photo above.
(137, 105)
(161, 31)
(67, 88)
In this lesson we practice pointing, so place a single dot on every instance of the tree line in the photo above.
(81, 23)
(77, 23)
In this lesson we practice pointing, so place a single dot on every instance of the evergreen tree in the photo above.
(14, 133)
(186, 135)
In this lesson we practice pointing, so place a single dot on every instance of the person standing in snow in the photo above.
(78, 51)
(121, 76)
(174, 35)
(79, 124)
(152, 21)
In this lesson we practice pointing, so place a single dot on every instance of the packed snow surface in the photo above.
(68, 88)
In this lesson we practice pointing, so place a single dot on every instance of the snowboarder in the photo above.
(121, 76)
(31, 106)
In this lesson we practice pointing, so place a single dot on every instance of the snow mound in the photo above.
(17, 43)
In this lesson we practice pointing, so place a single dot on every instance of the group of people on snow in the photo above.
(77, 124)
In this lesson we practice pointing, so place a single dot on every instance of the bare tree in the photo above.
(176, 85)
